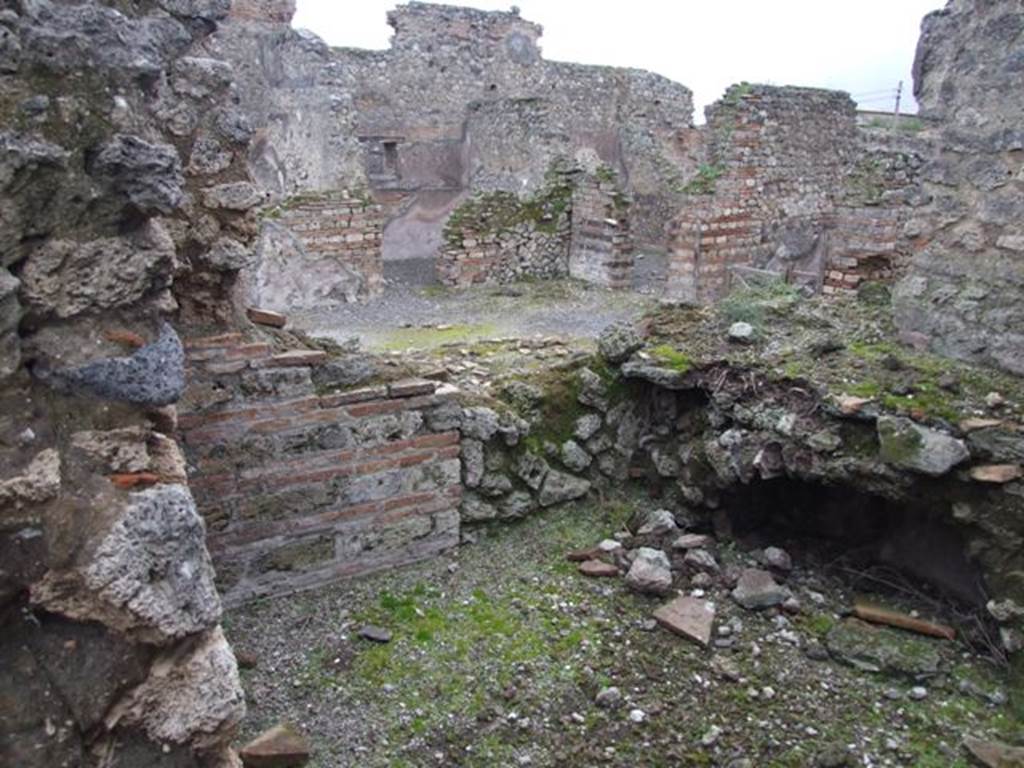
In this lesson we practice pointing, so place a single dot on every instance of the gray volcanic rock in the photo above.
(518, 504)
(151, 573)
(153, 376)
(201, 694)
(148, 175)
(10, 315)
(35, 171)
(227, 255)
(574, 457)
(475, 510)
(655, 373)
(911, 446)
(209, 10)
(618, 341)
(479, 423)
(235, 196)
(344, 371)
(758, 589)
(67, 38)
(208, 156)
(651, 572)
(560, 487)
(65, 278)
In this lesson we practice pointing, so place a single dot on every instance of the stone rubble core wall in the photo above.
(126, 203)
(498, 238)
(700, 435)
(318, 251)
(577, 226)
(962, 296)
(788, 186)
(461, 103)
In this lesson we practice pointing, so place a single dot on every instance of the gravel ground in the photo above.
(565, 308)
(500, 649)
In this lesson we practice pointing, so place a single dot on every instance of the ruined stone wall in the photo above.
(500, 238)
(318, 251)
(578, 226)
(962, 294)
(419, 118)
(706, 431)
(125, 205)
(872, 239)
(764, 195)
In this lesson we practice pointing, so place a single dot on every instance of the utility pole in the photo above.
(896, 112)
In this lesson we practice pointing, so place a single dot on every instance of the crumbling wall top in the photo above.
(810, 127)
(275, 11)
(439, 29)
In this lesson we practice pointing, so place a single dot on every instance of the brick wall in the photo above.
(763, 197)
(319, 251)
(298, 487)
(878, 197)
(342, 228)
(600, 247)
(705, 241)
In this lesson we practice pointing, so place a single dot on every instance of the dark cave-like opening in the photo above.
(852, 532)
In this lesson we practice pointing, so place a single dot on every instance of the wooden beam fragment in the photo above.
(878, 615)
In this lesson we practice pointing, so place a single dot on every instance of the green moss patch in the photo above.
(431, 338)
(672, 358)
(495, 212)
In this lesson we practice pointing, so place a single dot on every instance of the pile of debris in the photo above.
(712, 585)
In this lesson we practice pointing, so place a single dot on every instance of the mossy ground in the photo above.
(498, 664)
(841, 345)
(431, 338)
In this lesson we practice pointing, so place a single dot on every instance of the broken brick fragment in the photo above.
(131, 480)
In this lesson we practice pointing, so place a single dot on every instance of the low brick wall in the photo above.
(879, 196)
(601, 248)
(864, 247)
(300, 488)
(343, 228)
(319, 251)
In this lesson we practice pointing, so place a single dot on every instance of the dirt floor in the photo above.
(502, 654)
(427, 316)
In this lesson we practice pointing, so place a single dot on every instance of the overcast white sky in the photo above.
(865, 46)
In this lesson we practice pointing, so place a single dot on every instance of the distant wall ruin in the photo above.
(786, 187)
(462, 103)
